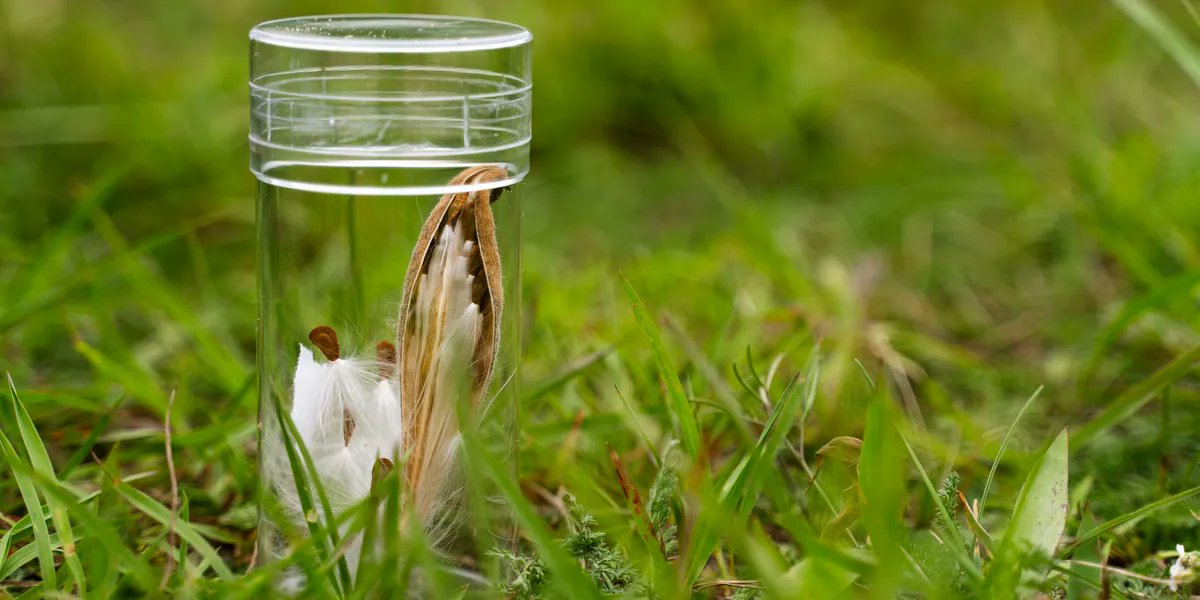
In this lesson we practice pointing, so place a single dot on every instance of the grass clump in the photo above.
(952, 205)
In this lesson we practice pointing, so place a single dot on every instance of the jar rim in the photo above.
(390, 33)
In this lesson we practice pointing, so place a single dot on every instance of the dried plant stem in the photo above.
(1123, 572)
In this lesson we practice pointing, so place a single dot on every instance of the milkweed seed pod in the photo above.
(402, 407)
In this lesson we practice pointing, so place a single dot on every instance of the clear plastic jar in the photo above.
(389, 151)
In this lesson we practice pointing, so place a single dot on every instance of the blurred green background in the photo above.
(969, 198)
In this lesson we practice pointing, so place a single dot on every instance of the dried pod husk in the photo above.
(449, 330)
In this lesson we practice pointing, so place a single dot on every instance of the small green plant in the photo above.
(608, 568)
(664, 503)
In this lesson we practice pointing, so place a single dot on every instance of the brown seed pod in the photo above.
(456, 263)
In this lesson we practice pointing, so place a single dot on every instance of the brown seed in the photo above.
(347, 426)
(325, 338)
(385, 354)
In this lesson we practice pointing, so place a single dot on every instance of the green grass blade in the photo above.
(1082, 575)
(769, 445)
(743, 485)
(987, 486)
(1137, 396)
(975, 527)
(634, 419)
(572, 370)
(22, 556)
(881, 477)
(1172, 41)
(570, 580)
(6, 540)
(709, 373)
(812, 380)
(23, 524)
(184, 515)
(958, 548)
(155, 510)
(1133, 309)
(40, 461)
(138, 382)
(681, 410)
(98, 528)
(1107, 526)
(304, 475)
(820, 579)
(98, 429)
(33, 505)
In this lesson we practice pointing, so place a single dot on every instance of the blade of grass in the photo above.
(39, 459)
(33, 505)
(743, 485)
(1136, 397)
(153, 509)
(881, 476)
(812, 379)
(571, 371)
(98, 429)
(570, 580)
(22, 556)
(1172, 41)
(959, 549)
(1131, 311)
(304, 471)
(987, 486)
(634, 419)
(1084, 575)
(23, 524)
(185, 516)
(138, 382)
(97, 528)
(1109, 525)
(771, 442)
(6, 540)
(681, 410)
(975, 527)
(705, 368)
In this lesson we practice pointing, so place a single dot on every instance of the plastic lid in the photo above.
(387, 104)
(390, 33)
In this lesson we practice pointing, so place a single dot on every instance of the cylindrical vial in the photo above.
(388, 150)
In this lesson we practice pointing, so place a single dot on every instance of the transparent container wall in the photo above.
(359, 129)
